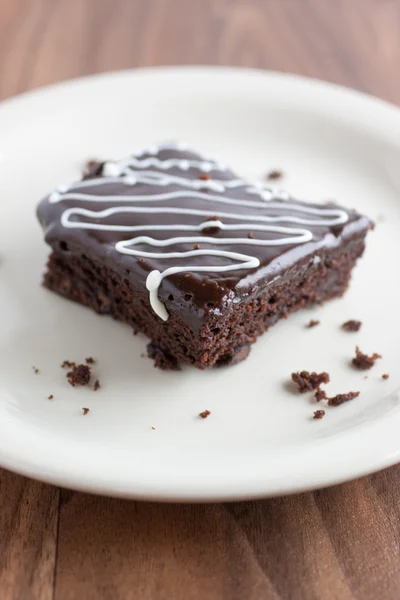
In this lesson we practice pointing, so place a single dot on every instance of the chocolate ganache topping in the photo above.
(183, 226)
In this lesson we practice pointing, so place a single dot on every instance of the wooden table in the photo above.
(341, 543)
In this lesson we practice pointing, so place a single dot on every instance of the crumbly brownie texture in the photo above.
(320, 395)
(123, 244)
(162, 359)
(352, 325)
(363, 361)
(80, 375)
(312, 324)
(68, 364)
(319, 414)
(341, 398)
(205, 414)
(275, 174)
(307, 382)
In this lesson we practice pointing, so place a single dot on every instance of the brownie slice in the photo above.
(202, 261)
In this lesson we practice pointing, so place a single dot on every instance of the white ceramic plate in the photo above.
(260, 439)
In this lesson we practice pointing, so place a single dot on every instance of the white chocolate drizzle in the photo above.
(151, 171)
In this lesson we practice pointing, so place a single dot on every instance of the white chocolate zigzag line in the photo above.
(184, 164)
(181, 163)
(130, 177)
(341, 216)
(302, 235)
(194, 212)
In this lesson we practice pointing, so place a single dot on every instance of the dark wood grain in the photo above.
(342, 543)
(28, 537)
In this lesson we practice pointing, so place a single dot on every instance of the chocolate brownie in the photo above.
(123, 243)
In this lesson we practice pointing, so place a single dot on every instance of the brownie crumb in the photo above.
(162, 359)
(68, 364)
(211, 230)
(50, 397)
(89, 360)
(274, 174)
(363, 361)
(154, 428)
(312, 323)
(320, 395)
(308, 382)
(319, 414)
(340, 398)
(85, 411)
(92, 168)
(250, 235)
(96, 385)
(196, 247)
(204, 414)
(337, 230)
(36, 370)
(352, 325)
(385, 376)
(80, 375)
(204, 176)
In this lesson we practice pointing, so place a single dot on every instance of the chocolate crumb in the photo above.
(363, 361)
(80, 375)
(337, 230)
(211, 230)
(352, 325)
(92, 168)
(274, 174)
(340, 398)
(85, 411)
(320, 395)
(204, 176)
(204, 414)
(308, 382)
(319, 414)
(50, 397)
(89, 361)
(162, 359)
(196, 247)
(68, 364)
(250, 235)
(385, 376)
(312, 323)
(153, 428)
(36, 370)
(96, 385)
